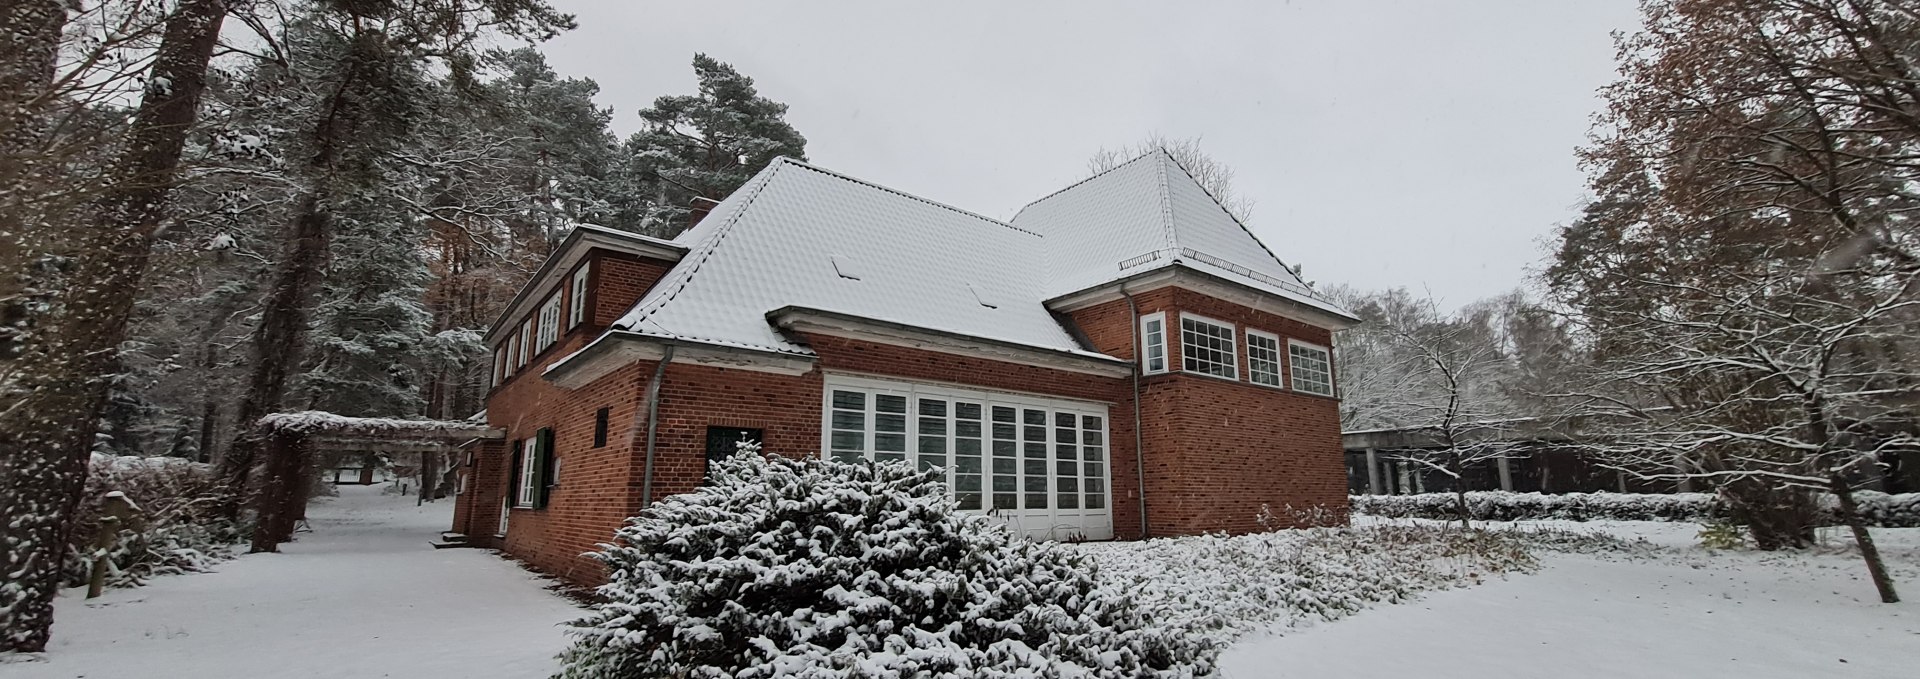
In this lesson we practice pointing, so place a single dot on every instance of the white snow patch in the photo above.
(361, 596)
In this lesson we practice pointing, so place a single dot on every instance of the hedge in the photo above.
(1880, 509)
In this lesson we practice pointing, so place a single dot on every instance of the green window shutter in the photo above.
(513, 475)
(543, 442)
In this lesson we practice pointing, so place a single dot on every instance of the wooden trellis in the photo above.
(293, 438)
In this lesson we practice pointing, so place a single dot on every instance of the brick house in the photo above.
(1121, 359)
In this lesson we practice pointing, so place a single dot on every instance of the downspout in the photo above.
(1139, 459)
(653, 422)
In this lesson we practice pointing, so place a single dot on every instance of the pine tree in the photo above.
(368, 77)
(700, 146)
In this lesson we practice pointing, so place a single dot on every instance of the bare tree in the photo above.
(1216, 177)
(1446, 376)
(1792, 383)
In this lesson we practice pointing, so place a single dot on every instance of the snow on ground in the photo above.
(1674, 611)
(363, 595)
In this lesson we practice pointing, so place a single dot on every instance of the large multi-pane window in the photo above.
(1153, 343)
(1003, 453)
(1206, 347)
(1312, 368)
(1263, 358)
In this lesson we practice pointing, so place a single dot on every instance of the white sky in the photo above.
(1423, 144)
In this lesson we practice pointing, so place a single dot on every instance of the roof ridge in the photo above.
(1236, 221)
(1074, 185)
(888, 189)
(1166, 201)
(706, 253)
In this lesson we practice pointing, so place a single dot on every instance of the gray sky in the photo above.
(1419, 144)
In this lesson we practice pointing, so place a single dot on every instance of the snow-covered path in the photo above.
(1695, 616)
(361, 596)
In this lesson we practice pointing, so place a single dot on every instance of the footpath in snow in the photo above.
(363, 595)
(1682, 612)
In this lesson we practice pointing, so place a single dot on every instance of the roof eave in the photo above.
(838, 324)
(618, 348)
(1179, 274)
(570, 250)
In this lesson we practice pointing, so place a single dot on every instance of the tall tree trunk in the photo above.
(50, 433)
(279, 343)
(1850, 512)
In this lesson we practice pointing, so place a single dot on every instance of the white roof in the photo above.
(796, 235)
(1148, 214)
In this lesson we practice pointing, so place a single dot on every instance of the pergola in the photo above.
(292, 439)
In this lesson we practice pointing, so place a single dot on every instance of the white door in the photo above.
(1037, 462)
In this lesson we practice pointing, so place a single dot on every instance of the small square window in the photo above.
(1312, 368)
(1263, 358)
(1206, 347)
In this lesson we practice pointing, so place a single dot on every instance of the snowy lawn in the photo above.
(361, 596)
(1669, 609)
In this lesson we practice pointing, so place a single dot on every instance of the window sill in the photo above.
(1197, 373)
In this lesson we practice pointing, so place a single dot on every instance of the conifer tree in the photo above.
(701, 146)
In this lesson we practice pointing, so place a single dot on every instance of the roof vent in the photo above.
(985, 298)
(844, 266)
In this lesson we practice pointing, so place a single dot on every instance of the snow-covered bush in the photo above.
(1879, 509)
(1221, 587)
(825, 569)
(174, 530)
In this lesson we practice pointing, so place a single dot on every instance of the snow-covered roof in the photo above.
(801, 236)
(797, 236)
(1147, 214)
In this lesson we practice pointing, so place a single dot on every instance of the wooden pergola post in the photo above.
(282, 492)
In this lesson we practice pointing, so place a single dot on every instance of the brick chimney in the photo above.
(698, 210)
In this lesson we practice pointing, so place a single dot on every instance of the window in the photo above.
(1007, 453)
(525, 474)
(526, 344)
(1263, 358)
(500, 368)
(1206, 347)
(549, 329)
(1312, 368)
(600, 428)
(1153, 343)
(509, 350)
(577, 296)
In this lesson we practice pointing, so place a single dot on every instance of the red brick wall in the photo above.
(618, 283)
(1217, 450)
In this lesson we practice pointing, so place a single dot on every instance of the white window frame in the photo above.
(512, 348)
(1279, 373)
(1034, 521)
(549, 323)
(529, 468)
(1293, 367)
(500, 368)
(1148, 345)
(1232, 352)
(577, 297)
(526, 344)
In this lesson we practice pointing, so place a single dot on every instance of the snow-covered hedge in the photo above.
(1222, 587)
(1880, 509)
(823, 569)
(173, 531)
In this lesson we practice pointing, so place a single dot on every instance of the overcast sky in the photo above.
(1425, 144)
